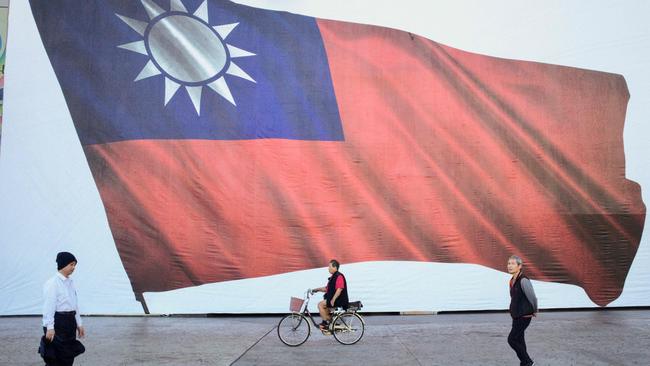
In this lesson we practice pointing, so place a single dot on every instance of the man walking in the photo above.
(61, 318)
(523, 307)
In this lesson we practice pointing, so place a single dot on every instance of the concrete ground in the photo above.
(554, 338)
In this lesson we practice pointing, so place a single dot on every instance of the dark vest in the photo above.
(519, 304)
(342, 300)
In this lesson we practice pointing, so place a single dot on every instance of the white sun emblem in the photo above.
(186, 50)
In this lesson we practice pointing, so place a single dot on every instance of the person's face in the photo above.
(331, 268)
(513, 267)
(67, 270)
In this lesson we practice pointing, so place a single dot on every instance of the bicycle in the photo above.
(347, 325)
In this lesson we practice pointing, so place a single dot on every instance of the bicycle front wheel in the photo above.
(348, 328)
(294, 329)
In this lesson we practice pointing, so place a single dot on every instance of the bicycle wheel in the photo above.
(348, 328)
(294, 329)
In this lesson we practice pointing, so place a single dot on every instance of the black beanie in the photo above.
(63, 259)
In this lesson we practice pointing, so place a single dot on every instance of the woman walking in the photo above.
(523, 307)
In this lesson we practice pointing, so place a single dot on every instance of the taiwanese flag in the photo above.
(231, 142)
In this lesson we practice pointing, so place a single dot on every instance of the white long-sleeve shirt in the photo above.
(60, 295)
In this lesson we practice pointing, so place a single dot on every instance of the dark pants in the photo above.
(516, 339)
(65, 345)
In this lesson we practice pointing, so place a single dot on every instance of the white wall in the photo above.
(48, 200)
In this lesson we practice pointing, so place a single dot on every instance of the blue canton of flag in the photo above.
(189, 70)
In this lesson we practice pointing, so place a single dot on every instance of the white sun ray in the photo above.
(207, 65)
(238, 52)
(202, 11)
(195, 96)
(137, 46)
(153, 10)
(149, 70)
(221, 87)
(224, 30)
(235, 70)
(137, 25)
(170, 89)
(177, 5)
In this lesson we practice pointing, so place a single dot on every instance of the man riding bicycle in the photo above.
(336, 293)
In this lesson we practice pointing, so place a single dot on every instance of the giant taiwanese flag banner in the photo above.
(230, 142)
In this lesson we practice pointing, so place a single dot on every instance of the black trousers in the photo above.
(64, 343)
(516, 339)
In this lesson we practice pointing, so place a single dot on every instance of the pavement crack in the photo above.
(407, 349)
(253, 345)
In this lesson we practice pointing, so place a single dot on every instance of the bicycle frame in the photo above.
(340, 326)
(305, 309)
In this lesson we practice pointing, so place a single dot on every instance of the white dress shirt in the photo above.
(60, 295)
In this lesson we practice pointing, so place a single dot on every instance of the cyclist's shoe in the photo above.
(325, 328)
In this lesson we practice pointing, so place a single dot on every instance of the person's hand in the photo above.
(313, 291)
(534, 314)
(332, 302)
(81, 331)
(49, 335)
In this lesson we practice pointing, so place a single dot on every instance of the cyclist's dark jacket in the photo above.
(519, 304)
(342, 300)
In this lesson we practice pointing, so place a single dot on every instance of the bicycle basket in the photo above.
(295, 304)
